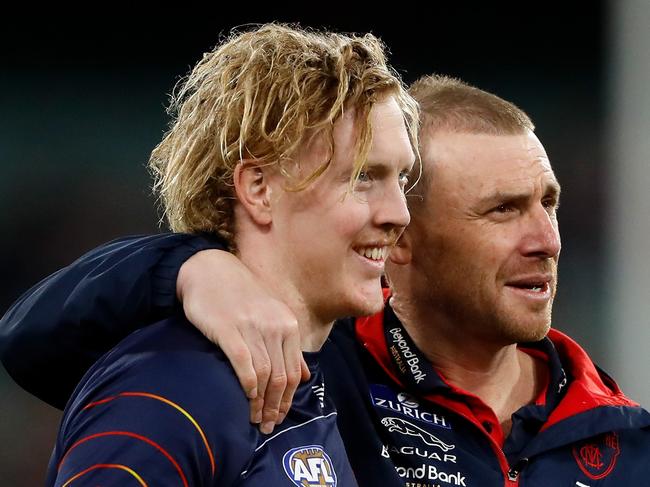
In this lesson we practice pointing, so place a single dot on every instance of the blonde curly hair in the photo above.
(259, 95)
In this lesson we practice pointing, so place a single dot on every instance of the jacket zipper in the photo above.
(515, 470)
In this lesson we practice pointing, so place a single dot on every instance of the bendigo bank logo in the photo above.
(597, 456)
(309, 466)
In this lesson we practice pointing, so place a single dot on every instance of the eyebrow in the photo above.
(552, 188)
(384, 167)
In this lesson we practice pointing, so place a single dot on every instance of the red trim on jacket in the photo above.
(587, 390)
(369, 331)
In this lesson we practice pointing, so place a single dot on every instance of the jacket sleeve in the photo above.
(59, 327)
(147, 414)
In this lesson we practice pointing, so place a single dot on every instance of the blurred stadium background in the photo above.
(82, 105)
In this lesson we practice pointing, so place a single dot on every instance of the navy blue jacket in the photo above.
(147, 414)
(402, 424)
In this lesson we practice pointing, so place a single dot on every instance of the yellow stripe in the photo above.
(170, 403)
(107, 465)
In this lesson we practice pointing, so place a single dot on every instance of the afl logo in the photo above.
(309, 466)
(597, 456)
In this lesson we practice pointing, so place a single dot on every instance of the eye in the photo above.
(364, 176)
(404, 178)
(551, 204)
(365, 179)
(503, 208)
(504, 211)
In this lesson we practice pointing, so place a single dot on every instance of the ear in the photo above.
(402, 252)
(253, 190)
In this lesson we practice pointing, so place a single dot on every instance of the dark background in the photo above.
(82, 101)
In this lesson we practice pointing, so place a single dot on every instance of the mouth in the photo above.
(375, 253)
(532, 286)
(535, 287)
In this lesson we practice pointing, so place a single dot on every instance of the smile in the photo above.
(373, 253)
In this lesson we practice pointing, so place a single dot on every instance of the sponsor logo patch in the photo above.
(406, 359)
(384, 397)
(309, 466)
(423, 452)
(409, 429)
(431, 472)
(597, 456)
(407, 400)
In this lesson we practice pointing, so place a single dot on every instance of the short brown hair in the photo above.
(449, 104)
(258, 95)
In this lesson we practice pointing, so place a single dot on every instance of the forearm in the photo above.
(56, 330)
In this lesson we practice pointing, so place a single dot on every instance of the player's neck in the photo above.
(502, 376)
(451, 346)
(314, 329)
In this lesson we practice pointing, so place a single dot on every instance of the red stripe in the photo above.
(132, 435)
(168, 402)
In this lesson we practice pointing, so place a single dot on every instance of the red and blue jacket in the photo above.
(401, 422)
(400, 419)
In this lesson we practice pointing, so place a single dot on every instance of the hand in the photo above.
(257, 332)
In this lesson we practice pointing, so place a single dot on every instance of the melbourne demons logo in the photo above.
(597, 456)
(309, 466)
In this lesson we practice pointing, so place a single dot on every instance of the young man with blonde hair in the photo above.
(295, 148)
(460, 380)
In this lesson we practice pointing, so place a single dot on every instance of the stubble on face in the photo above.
(465, 257)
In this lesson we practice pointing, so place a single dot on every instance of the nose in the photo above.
(392, 210)
(542, 236)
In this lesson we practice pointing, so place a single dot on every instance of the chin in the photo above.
(367, 304)
(375, 307)
(534, 332)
